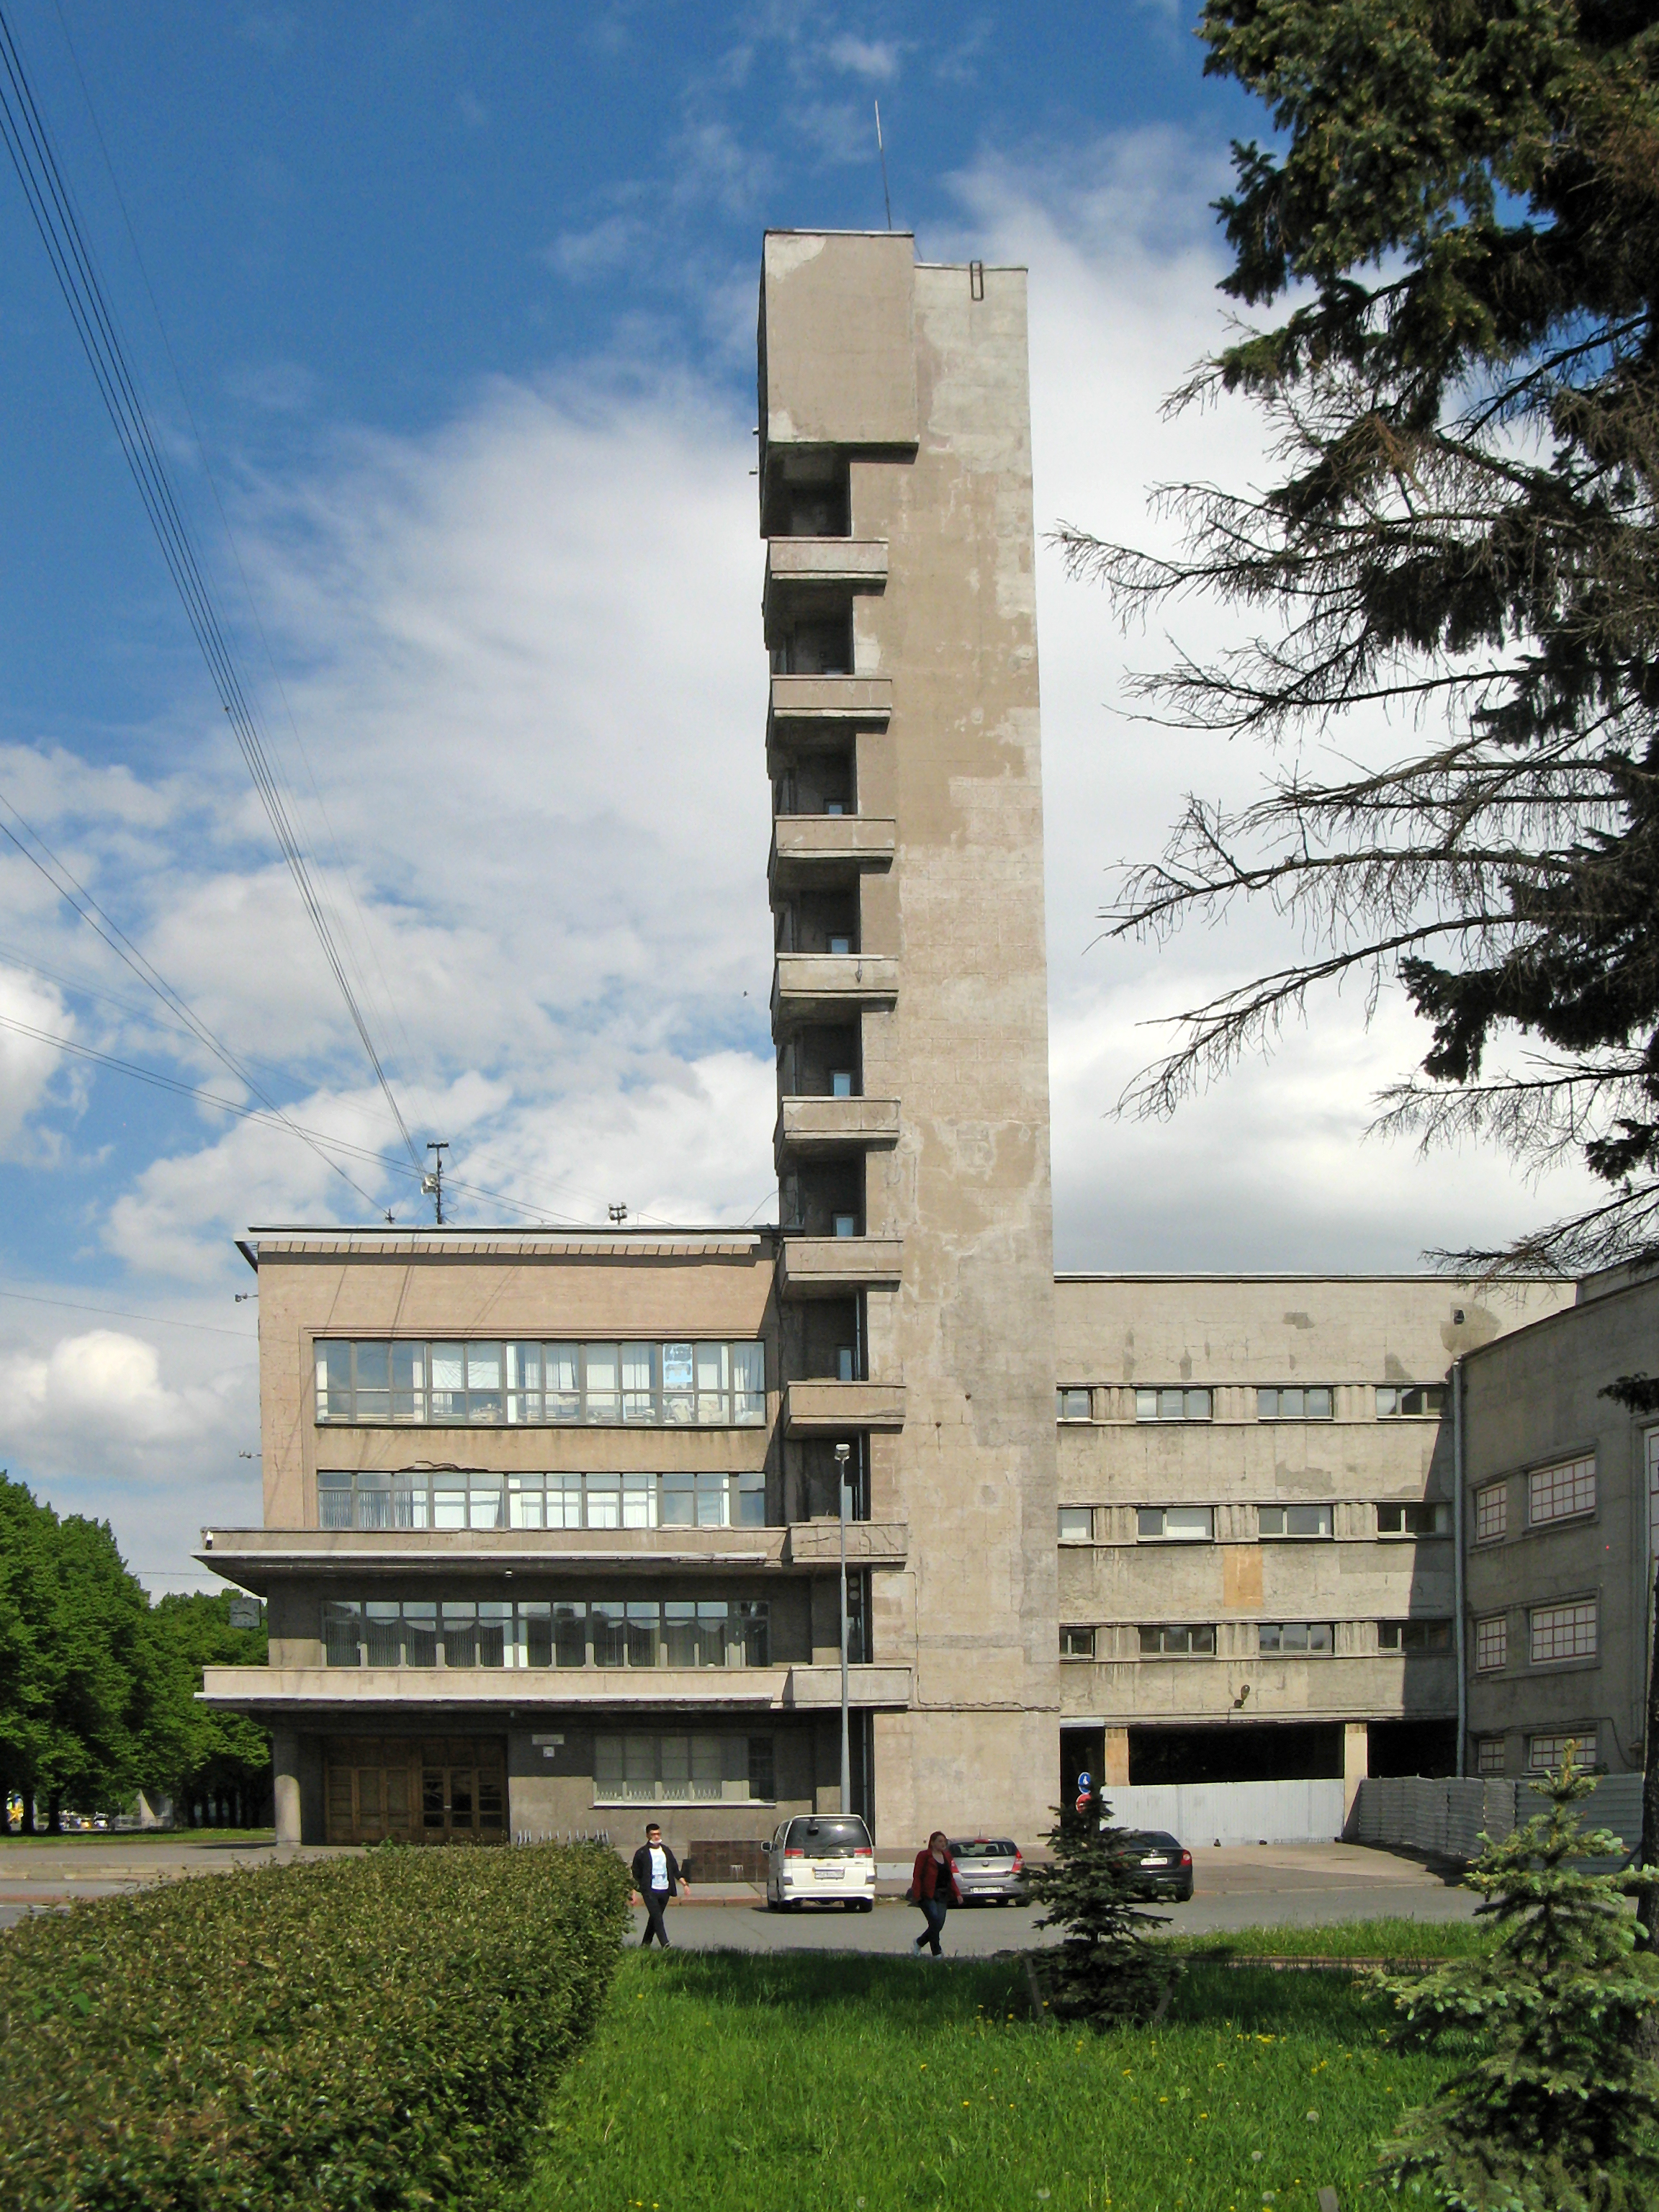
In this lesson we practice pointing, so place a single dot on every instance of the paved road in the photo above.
(1306, 1885)
(1300, 1885)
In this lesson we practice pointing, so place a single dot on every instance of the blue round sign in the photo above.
(1085, 1783)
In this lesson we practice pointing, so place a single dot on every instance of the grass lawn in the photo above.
(725, 2081)
(1344, 1939)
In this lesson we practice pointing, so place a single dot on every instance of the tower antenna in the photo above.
(432, 1183)
(882, 150)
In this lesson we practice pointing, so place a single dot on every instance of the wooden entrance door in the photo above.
(415, 1790)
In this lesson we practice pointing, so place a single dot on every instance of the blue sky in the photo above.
(462, 303)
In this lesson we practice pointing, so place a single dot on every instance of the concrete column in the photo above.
(1356, 1762)
(1117, 1762)
(285, 1766)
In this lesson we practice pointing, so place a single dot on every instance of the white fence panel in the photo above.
(1446, 1818)
(1232, 1812)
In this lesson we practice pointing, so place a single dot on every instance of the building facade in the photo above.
(1561, 1510)
(551, 1529)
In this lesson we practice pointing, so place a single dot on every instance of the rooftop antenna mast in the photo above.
(882, 150)
(432, 1183)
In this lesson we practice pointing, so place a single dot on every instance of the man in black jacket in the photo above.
(656, 1877)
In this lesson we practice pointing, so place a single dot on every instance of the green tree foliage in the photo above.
(1104, 1971)
(1461, 215)
(97, 1687)
(1553, 2103)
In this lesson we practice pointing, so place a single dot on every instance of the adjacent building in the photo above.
(551, 1531)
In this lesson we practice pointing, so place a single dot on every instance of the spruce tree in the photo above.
(1553, 2103)
(1105, 1970)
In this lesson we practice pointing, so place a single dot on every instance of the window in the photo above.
(682, 1770)
(1077, 1643)
(1293, 1519)
(1305, 1402)
(1318, 1636)
(1546, 1752)
(1175, 1524)
(1172, 1404)
(1414, 1635)
(1410, 1402)
(1072, 1405)
(1164, 1639)
(1556, 1493)
(472, 1499)
(1563, 1632)
(1076, 1524)
(1491, 1512)
(1492, 1643)
(679, 1632)
(710, 1385)
(1489, 1754)
(1413, 1520)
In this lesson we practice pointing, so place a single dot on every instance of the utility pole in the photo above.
(842, 1455)
(432, 1183)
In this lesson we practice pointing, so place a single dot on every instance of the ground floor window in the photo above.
(653, 1769)
(1546, 1752)
(1490, 1754)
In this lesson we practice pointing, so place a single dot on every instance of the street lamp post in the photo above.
(842, 1455)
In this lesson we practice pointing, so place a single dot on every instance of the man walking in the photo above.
(656, 1877)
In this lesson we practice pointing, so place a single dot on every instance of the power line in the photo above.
(82, 903)
(56, 219)
(121, 1313)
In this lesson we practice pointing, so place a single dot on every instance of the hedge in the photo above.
(365, 2033)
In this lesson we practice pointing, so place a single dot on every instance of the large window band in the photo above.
(682, 1385)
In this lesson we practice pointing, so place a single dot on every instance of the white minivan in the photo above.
(821, 1858)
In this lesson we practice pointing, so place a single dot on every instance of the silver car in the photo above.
(990, 1869)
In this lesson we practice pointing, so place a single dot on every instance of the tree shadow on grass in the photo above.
(824, 1983)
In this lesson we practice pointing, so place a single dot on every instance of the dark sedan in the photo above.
(1166, 1870)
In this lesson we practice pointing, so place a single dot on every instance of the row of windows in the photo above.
(684, 1770)
(1195, 1524)
(1554, 1493)
(469, 1498)
(1553, 1632)
(1544, 1753)
(548, 1632)
(1165, 1639)
(1301, 1401)
(706, 1385)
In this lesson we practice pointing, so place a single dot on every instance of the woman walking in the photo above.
(934, 1888)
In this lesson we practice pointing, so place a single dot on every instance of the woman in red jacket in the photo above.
(934, 1888)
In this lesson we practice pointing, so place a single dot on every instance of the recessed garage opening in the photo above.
(408, 1790)
(1259, 1752)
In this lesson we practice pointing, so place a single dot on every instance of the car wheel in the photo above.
(865, 1904)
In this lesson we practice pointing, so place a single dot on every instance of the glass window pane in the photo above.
(711, 1501)
(644, 1621)
(561, 1383)
(333, 1501)
(495, 1633)
(639, 1501)
(564, 1501)
(526, 1502)
(374, 1501)
(449, 1501)
(679, 1401)
(714, 1383)
(749, 1384)
(1146, 1405)
(751, 1501)
(420, 1633)
(1196, 1405)
(603, 1382)
(460, 1634)
(1193, 1522)
(383, 1640)
(372, 1401)
(679, 1632)
(524, 1383)
(679, 1506)
(411, 1502)
(1319, 1403)
(448, 1398)
(569, 1634)
(484, 1399)
(638, 1378)
(604, 1501)
(340, 1634)
(609, 1634)
(674, 1762)
(333, 1380)
(485, 1501)
(607, 1759)
(409, 1382)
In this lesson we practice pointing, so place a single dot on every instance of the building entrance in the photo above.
(415, 1790)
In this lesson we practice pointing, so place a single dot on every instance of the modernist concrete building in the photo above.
(1562, 1514)
(550, 1528)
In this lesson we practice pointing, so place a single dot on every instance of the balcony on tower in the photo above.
(828, 1408)
(836, 1266)
(832, 1128)
(828, 986)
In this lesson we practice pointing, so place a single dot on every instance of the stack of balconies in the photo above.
(828, 980)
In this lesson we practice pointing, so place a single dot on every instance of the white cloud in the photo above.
(27, 1066)
(582, 255)
(876, 60)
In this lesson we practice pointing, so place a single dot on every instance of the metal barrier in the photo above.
(1446, 1819)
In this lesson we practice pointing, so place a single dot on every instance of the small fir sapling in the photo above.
(1553, 2103)
(1105, 1970)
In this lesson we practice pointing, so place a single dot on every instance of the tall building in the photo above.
(551, 1520)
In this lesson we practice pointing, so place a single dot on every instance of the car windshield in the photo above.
(982, 1848)
(823, 1838)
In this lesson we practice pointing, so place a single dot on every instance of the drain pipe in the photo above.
(1459, 1630)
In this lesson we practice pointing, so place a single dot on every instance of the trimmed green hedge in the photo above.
(365, 2033)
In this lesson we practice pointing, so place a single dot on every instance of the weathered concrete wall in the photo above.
(1231, 1336)
(1534, 1401)
(965, 1047)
